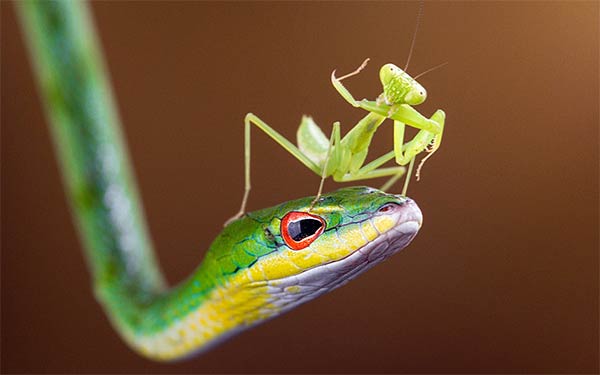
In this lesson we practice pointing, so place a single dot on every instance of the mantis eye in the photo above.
(300, 229)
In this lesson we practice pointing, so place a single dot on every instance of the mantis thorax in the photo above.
(399, 87)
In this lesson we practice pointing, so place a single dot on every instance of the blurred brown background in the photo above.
(503, 276)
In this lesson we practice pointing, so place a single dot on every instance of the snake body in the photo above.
(259, 266)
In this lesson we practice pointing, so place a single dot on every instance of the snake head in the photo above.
(312, 251)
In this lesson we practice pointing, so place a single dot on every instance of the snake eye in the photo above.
(300, 229)
(387, 207)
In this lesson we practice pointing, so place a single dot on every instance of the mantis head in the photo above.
(399, 87)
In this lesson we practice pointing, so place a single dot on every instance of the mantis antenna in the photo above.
(430, 70)
(412, 44)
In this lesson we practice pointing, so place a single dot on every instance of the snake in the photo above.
(258, 267)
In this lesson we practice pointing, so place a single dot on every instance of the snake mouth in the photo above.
(407, 218)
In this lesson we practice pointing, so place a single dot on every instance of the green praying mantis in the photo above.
(344, 158)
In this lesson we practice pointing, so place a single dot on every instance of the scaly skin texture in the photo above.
(248, 275)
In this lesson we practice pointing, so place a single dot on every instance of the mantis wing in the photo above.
(312, 141)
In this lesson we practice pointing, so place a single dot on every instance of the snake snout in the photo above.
(409, 211)
(408, 220)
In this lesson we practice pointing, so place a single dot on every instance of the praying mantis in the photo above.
(344, 158)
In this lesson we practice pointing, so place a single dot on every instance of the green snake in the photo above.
(261, 265)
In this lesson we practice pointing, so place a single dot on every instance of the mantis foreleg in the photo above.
(401, 112)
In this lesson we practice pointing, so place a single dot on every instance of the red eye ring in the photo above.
(300, 229)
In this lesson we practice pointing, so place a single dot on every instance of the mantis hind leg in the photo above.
(252, 119)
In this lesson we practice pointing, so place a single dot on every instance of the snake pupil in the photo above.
(301, 229)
